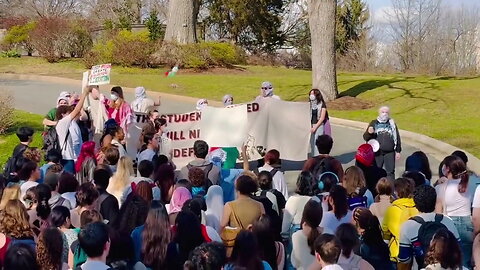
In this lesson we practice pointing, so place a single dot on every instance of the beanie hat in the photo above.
(365, 154)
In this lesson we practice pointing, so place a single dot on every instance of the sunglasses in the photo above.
(265, 88)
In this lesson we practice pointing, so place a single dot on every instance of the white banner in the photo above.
(269, 124)
(224, 127)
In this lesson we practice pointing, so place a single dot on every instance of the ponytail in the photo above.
(462, 187)
(43, 209)
(314, 234)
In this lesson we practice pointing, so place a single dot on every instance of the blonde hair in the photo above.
(353, 180)
(9, 193)
(14, 220)
(121, 178)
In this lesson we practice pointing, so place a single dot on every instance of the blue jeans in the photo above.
(68, 166)
(313, 139)
(465, 230)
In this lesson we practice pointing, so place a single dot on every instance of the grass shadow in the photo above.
(368, 85)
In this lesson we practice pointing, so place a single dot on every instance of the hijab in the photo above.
(140, 95)
(201, 104)
(227, 100)
(267, 89)
(214, 201)
(383, 114)
(179, 197)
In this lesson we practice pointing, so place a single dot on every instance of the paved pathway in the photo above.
(38, 97)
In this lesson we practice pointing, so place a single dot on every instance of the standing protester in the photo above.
(95, 113)
(319, 119)
(95, 241)
(323, 162)
(62, 100)
(272, 159)
(65, 116)
(25, 135)
(365, 160)
(385, 131)
(227, 100)
(201, 104)
(86, 163)
(266, 91)
(117, 108)
(200, 150)
(327, 252)
(142, 103)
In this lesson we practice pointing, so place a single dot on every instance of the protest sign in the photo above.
(100, 74)
(224, 127)
(270, 124)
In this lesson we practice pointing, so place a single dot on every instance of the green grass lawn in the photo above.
(441, 107)
(9, 140)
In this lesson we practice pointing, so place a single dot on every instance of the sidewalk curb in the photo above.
(434, 147)
(427, 144)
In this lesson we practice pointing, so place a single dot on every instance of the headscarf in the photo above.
(201, 104)
(88, 150)
(267, 89)
(140, 95)
(383, 117)
(214, 201)
(227, 100)
(179, 197)
(63, 96)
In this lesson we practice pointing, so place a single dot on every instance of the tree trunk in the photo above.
(321, 17)
(181, 22)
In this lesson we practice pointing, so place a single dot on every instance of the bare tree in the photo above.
(321, 15)
(181, 23)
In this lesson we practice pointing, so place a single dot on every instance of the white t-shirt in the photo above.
(330, 222)
(476, 198)
(293, 211)
(76, 135)
(278, 182)
(457, 204)
(301, 257)
(62, 128)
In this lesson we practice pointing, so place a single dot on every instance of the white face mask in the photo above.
(113, 97)
(312, 98)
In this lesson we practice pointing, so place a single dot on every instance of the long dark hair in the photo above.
(458, 169)
(338, 194)
(318, 95)
(164, 177)
(155, 238)
(305, 184)
(312, 216)
(372, 232)
(132, 214)
(28, 168)
(347, 234)
(424, 164)
(189, 233)
(43, 195)
(266, 242)
(444, 249)
(245, 252)
(49, 249)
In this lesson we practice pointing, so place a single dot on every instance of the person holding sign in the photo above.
(142, 103)
(65, 116)
(385, 131)
(266, 91)
(117, 108)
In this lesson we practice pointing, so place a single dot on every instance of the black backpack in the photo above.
(11, 164)
(425, 234)
(322, 164)
(206, 169)
(275, 220)
(52, 142)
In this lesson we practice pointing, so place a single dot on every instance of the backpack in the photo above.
(357, 200)
(275, 221)
(11, 164)
(425, 234)
(52, 142)
(322, 165)
(206, 169)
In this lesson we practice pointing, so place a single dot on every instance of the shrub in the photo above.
(18, 36)
(49, 38)
(155, 30)
(126, 48)
(6, 111)
(78, 41)
(10, 54)
(200, 55)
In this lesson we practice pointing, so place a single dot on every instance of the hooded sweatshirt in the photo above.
(212, 172)
(399, 212)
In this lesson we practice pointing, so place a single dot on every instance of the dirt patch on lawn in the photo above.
(349, 104)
